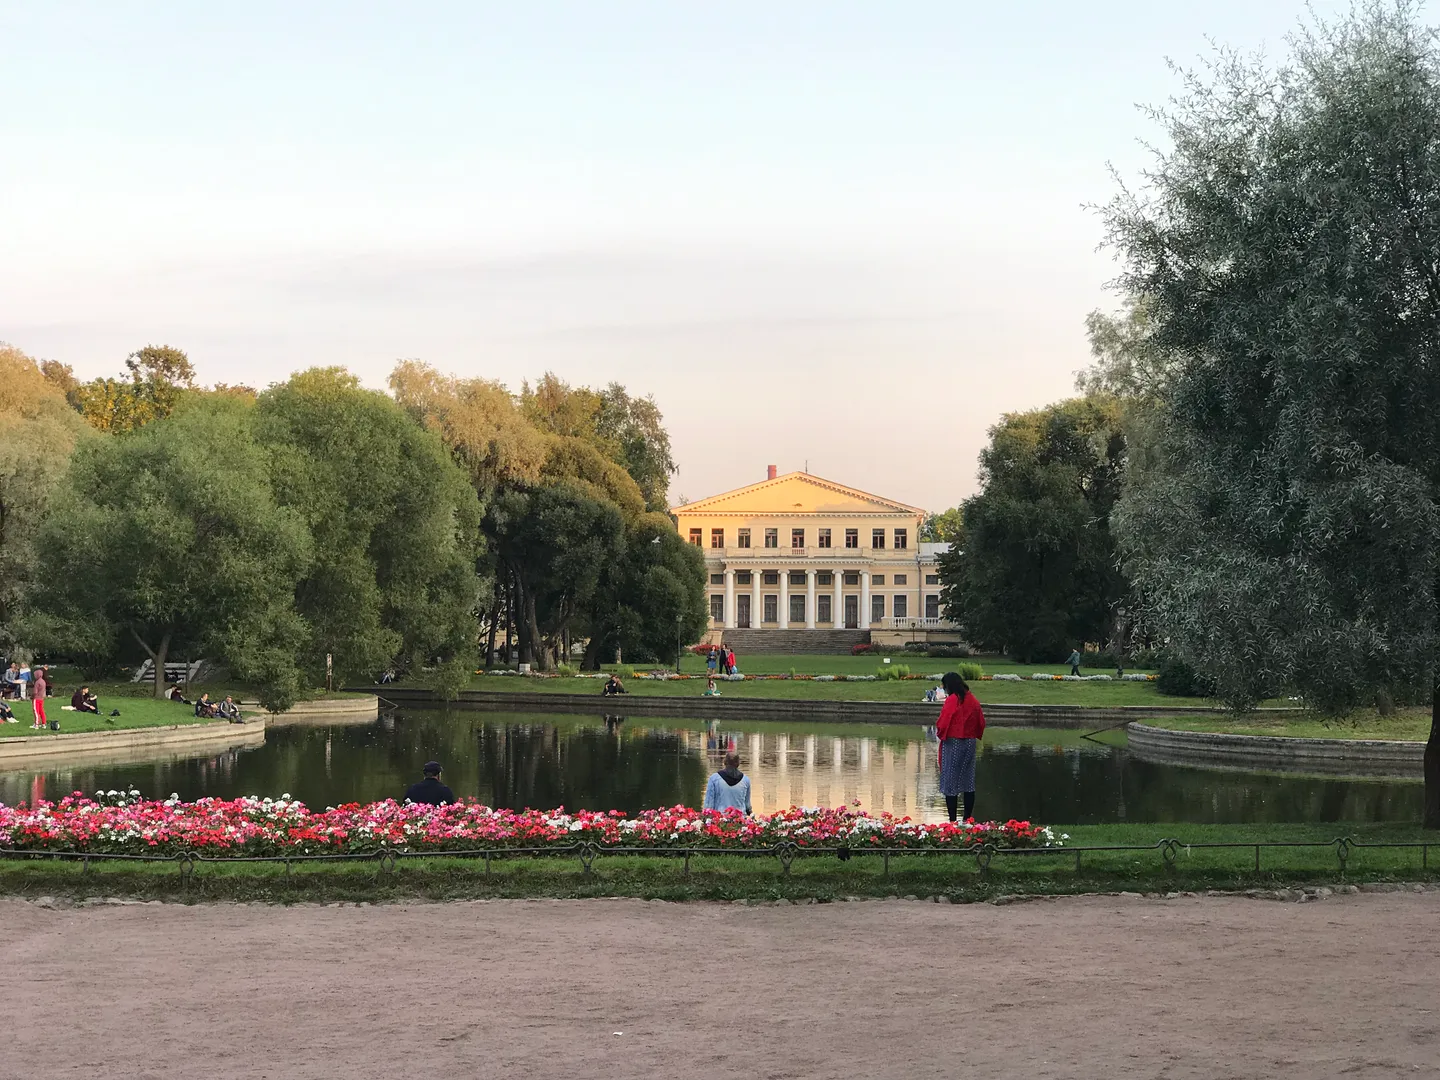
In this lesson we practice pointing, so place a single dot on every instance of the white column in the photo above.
(783, 614)
(809, 599)
(864, 599)
(757, 607)
(729, 599)
(837, 600)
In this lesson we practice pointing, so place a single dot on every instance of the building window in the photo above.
(852, 538)
(717, 607)
(797, 538)
(742, 577)
(932, 606)
(877, 538)
(823, 610)
(695, 537)
(902, 539)
(797, 577)
(822, 538)
(717, 579)
(797, 608)
(901, 579)
(932, 579)
(900, 606)
(717, 538)
(824, 579)
(852, 579)
(742, 538)
(770, 577)
(878, 579)
(772, 605)
(772, 538)
(877, 608)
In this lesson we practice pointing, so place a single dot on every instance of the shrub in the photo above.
(970, 672)
(625, 671)
(947, 652)
(862, 649)
(1102, 658)
(891, 672)
(566, 669)
(1179, 679)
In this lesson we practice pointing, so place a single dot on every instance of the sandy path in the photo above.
(1098, 986)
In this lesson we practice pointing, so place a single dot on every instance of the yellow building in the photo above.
(800, 553)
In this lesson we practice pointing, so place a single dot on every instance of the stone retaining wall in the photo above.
(736, 708)
(1347, 757)
(21, 751)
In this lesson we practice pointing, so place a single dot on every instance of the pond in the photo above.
(519, 760)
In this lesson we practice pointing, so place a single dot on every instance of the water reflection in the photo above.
(630, 764)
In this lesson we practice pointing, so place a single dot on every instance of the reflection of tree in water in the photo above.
(535, 765)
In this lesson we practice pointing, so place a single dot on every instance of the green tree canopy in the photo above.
(1285, 246)
(394, 523)
(38, 431)
(1038, 574)
(946, 527)
(170, 538)
(159, 376)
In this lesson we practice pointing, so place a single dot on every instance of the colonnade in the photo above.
(782, 605)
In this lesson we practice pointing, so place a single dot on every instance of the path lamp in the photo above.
(677, 643)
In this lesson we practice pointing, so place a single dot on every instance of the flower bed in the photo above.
(126, 824)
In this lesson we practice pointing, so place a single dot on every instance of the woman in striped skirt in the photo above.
(961, 726)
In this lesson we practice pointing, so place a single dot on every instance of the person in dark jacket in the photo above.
(430, 791)
(84, 701)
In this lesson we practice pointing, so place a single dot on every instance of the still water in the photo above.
(544, 761)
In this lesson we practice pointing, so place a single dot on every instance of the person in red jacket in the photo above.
(961, 726)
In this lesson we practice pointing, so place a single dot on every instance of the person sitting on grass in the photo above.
(430, 791)
(710, 690)
(174, 694)
(612, 687)
(228, 710)
(7, 714)
(84, 701)
(204, 707)
(728, 789)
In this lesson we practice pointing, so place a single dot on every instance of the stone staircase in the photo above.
(746, 642)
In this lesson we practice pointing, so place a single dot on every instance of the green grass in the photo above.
(1095, 695)
(845, 664)
(821, 878)
(1407, 725)
(134, 713)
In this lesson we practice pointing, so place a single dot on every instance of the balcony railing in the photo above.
(916, 623)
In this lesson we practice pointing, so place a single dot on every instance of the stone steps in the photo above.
(814, 642)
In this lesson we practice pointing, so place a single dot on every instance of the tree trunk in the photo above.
(1432, 761)
(490, 638)
(157, 659)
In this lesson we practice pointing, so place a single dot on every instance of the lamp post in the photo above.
(677, 643)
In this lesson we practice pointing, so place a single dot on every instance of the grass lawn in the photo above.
(1407, 725)
(134, 713)
(1095, 695)
(844, 664)
(823, 878)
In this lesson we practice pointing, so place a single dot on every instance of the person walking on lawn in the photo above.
(960, 728)
(1074, 662)
(42, 687)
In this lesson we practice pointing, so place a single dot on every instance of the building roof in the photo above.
(796, 493)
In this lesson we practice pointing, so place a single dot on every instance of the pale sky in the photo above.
(851, 234)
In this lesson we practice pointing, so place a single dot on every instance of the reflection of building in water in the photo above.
(827, 770)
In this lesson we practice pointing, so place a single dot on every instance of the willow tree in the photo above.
(1286, 246)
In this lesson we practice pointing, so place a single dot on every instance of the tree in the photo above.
(38, 431)
(170, 539)
(946, 527)
(394, 523)
(159, 376)
(1038, 571)
(649, 598)
(1285, 246)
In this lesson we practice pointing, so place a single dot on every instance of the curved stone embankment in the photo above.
(327, 711)
(813, 711)
(1331, 757)
(96, 747)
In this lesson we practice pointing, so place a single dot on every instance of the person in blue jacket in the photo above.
(728, 789)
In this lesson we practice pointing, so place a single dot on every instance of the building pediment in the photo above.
(796, 493)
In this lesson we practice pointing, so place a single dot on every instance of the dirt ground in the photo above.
(1090, 987)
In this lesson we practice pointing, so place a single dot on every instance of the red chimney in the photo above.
(769, 472)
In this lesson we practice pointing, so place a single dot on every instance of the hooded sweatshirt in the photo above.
(728, 789)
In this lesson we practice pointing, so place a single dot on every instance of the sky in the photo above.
(830, 235)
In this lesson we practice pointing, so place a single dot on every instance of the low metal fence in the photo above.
(387, 859)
